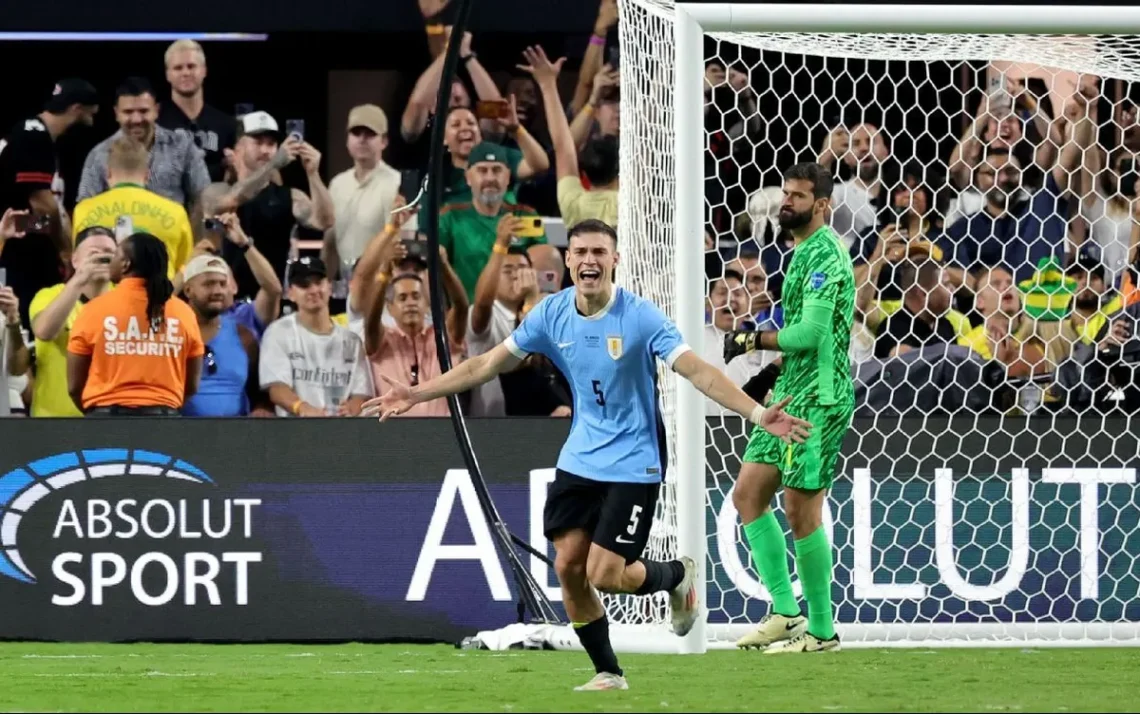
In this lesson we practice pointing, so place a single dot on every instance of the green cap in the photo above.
(1049, 292)
(488, 151)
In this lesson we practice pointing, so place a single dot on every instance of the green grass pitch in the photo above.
(414, 678)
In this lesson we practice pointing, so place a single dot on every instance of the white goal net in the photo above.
(987, 490)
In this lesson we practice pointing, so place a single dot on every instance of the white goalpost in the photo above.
(953, 522)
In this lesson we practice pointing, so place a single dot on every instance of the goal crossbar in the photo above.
(913, 19)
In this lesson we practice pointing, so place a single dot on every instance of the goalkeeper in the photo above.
(819, 303)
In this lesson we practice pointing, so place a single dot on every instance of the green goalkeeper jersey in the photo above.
(820, 272)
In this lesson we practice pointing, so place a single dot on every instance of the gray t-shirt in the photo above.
(487, 399)
(324, 370)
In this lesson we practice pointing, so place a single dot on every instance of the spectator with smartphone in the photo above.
(29, 181)
(421, 103)
(54, 311)
(135, 351)
(462, 134)
(599, 160)
(15, 360)
(311, 366)
(177, 167)
(270, 212)
(213, 130)
(406, 352)
(128, 201)
(506, 292)
(363, 195)
(467, 230)
(229, 384)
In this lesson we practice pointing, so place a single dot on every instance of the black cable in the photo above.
(531, 594)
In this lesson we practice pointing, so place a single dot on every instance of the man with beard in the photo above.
(467, 230)
(462, 134)
(819, 310)
(1093, 301)
(1017, 228)
(177, 167)
(856, 202)
(268, 211)
(921, 320)
(29, 181)
(225, 389)
(213, 130)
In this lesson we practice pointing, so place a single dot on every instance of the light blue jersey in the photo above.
(610, 360)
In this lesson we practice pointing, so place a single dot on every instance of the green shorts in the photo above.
(811, 465)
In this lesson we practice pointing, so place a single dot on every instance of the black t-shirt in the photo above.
(906, 328)
(268, 219)
(27, 165)
(213, 131)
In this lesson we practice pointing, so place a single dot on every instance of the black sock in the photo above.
(595, 637)
(661, 577)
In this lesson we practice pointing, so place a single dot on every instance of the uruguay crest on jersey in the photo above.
(613, 345)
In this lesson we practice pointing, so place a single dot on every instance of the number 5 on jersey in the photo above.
(601, 400)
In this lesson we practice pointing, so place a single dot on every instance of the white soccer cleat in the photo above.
(773, 628)
(806, 642)
(684, 601)
(603, 681)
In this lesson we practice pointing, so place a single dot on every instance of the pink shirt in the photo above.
(411, 359)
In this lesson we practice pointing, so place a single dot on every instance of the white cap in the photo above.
(258, 122)
(202, 264)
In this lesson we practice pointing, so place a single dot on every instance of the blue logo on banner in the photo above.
(817, 280)
(23, 487)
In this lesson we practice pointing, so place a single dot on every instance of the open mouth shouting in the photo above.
(589, 277)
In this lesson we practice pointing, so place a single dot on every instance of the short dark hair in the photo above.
(730, 273)
(600, 160)
(134, 87)
(519, 250)
(1092, 268)
(591, 225)
(820, 178)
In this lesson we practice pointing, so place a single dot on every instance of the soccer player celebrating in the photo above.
(600, 507)
(819, 304)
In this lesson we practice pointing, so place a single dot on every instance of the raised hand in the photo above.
(779, 423)
(396, 401)
(9, 305)
(539, 65)
(9, 224)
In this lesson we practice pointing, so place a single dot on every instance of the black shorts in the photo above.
(618, 515)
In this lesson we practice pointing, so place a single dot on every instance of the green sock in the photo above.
(813, 565)
(770, 554)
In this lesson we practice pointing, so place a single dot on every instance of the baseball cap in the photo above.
(487, 151)
(202, 264)
(307, 268)
(258, 122)
(71, 91)
(368, 116)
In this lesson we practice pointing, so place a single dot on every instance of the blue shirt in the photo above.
(610, 361)
(225, 370)
(1029, 231)
(245, 313)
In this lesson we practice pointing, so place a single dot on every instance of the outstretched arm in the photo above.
(400, 398)
(715, 385)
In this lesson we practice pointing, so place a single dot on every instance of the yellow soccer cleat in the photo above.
(806, 642)
(773, 628)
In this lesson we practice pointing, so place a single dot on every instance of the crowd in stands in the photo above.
(266, 300)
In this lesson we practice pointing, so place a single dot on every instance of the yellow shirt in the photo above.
(50, 397)
(1089, 330)
(150, 213)
(885, 308)
(577, 204)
